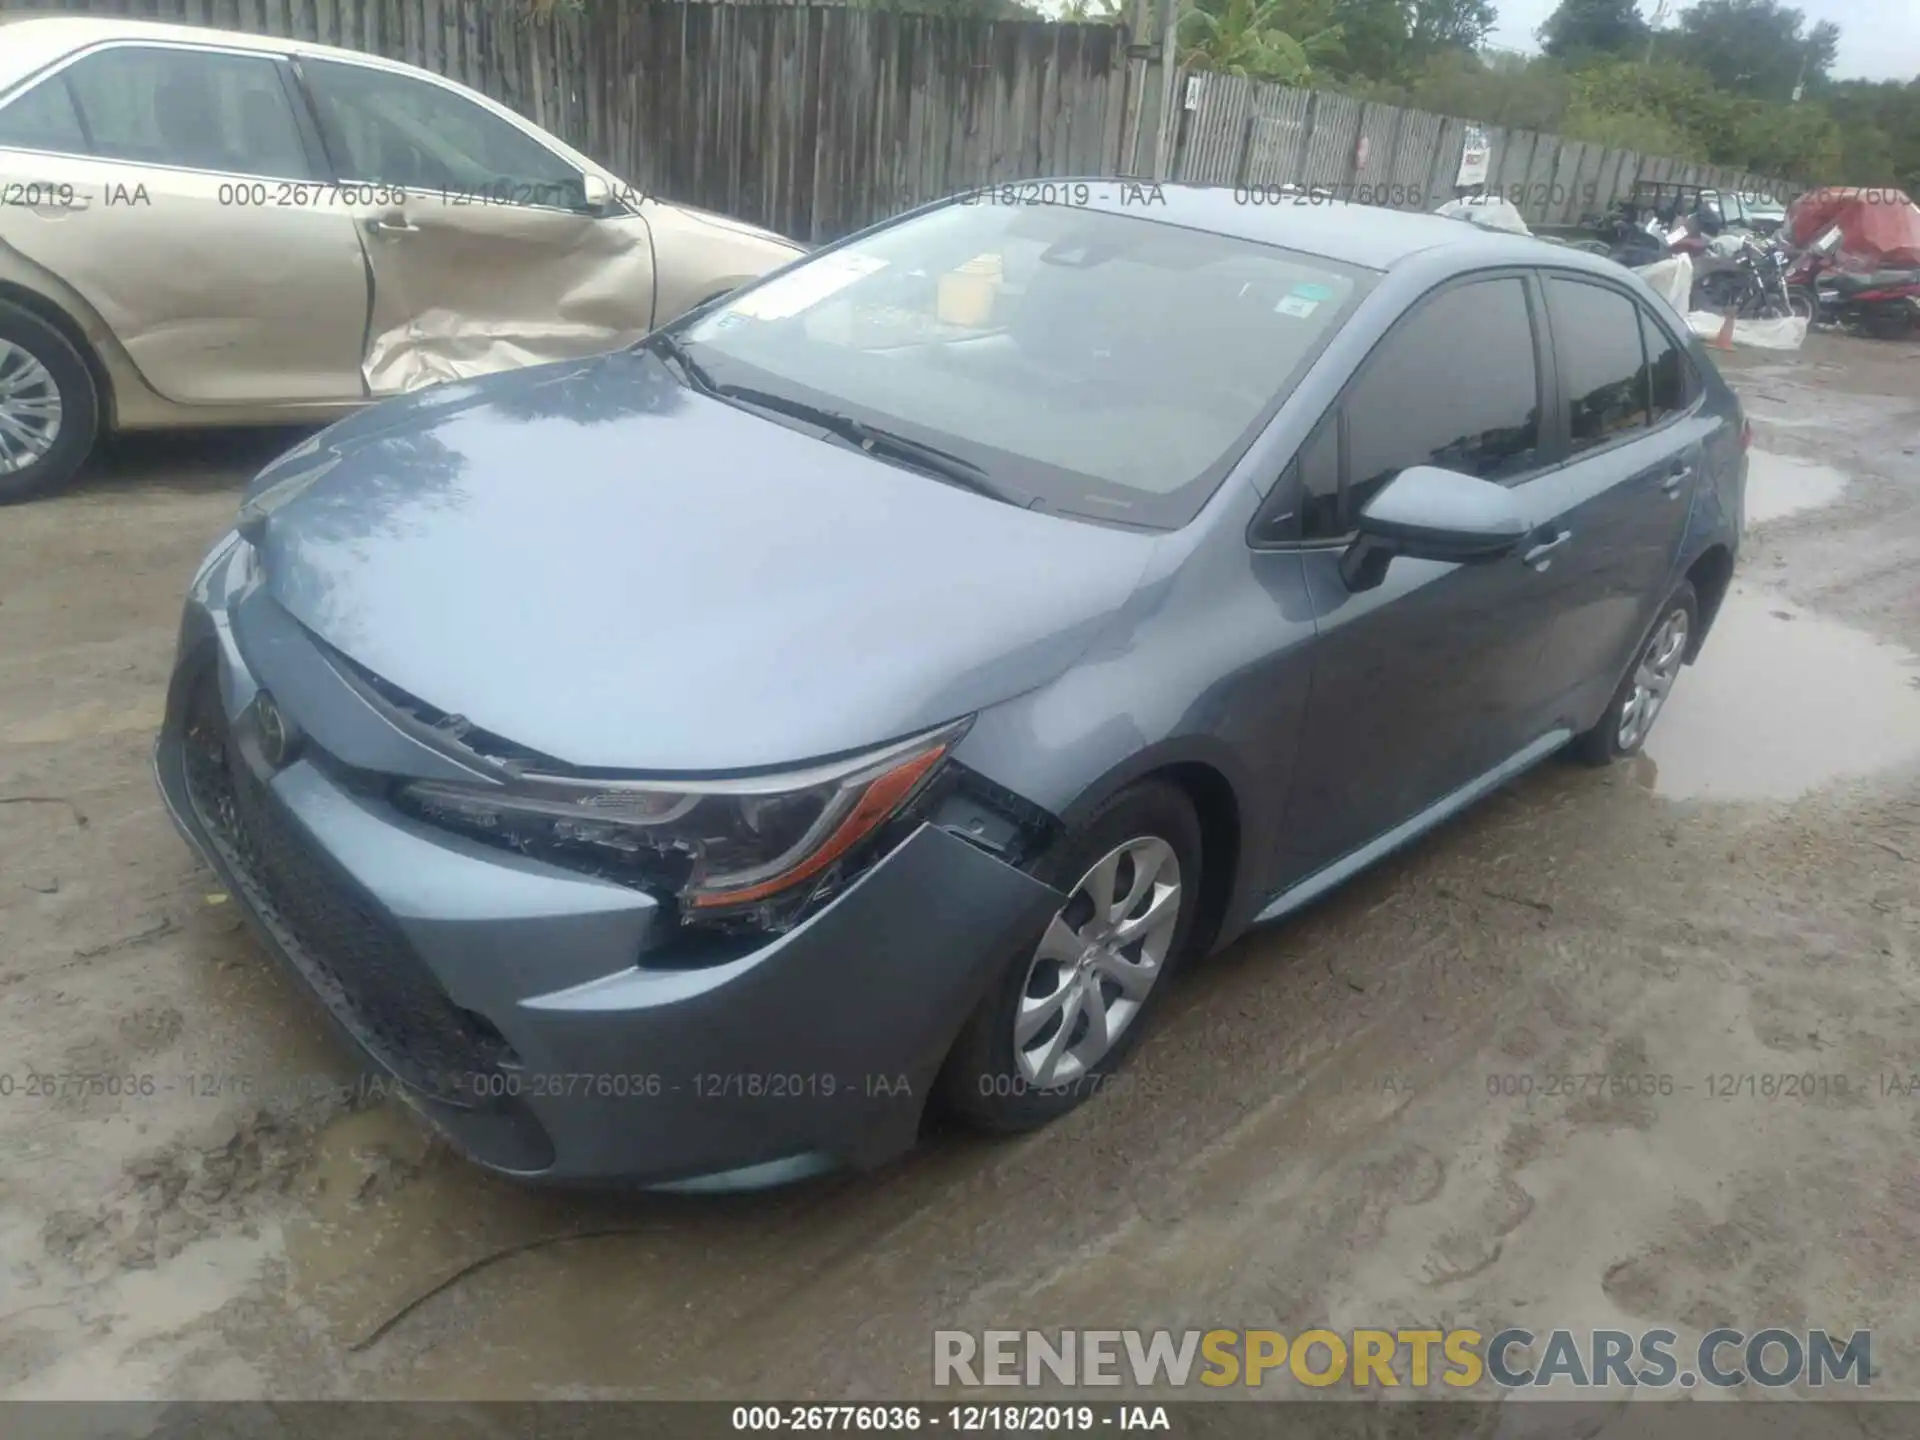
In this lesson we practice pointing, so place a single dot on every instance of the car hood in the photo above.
(595, 562)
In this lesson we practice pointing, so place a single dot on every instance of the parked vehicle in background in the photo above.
(903, 666)
(200, 227)
(1762, 214)
(1861, 259)
(1671, 204)
(1879, 229)
(1884, 304)
(1749, 281)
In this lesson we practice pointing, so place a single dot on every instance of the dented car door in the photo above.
(172, 187)
(485, 248)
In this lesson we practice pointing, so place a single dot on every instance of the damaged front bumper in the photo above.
(554, 1025)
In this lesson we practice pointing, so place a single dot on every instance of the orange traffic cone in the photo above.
(1724, 340)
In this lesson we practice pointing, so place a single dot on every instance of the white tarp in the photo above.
(1789, 332)
(1672, 279)
(1489, 211)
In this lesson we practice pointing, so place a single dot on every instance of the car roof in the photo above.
(1336, 229)
(36, 42)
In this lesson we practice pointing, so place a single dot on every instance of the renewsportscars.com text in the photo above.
(1511, 1358)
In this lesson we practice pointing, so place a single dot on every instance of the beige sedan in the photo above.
(199, 227)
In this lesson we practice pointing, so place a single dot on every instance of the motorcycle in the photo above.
(1753, 283)
(1882, 303)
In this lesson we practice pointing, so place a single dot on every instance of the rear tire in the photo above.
(49, 410)
(1627, 721)
(996, 1077)
(1888, 323)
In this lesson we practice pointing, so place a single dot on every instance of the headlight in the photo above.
(721, 846)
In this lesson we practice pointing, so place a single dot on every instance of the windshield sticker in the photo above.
(1297, 306)
(806, 287)
(1312, 292)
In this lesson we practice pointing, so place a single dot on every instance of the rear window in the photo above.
(43, 119)
(195, 109)
(1602, 364)
(1100, 364)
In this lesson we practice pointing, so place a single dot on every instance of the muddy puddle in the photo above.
(1782, 702)
(1780, 485)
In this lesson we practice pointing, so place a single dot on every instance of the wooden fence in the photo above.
(811, 119)
(1234, 131)
(815, 119)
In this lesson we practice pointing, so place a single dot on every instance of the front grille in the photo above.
(359, 961)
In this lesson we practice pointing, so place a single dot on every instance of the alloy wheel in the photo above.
(1653, 677)
(29, 409)
(1101, 955)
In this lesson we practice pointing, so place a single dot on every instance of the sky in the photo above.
(1879, 39)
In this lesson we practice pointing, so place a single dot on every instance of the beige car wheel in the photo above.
(48, 411)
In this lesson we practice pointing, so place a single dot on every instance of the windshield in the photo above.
(1095, 364)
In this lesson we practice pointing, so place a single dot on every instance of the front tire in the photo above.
(1069, 1007)
(49, 413)
(1628, 719)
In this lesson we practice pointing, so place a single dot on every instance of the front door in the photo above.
(483, 251)
(1431, 679)
(169, 185)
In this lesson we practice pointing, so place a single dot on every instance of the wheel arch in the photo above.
(1711, 576)
(1204, 774)
(42, 308)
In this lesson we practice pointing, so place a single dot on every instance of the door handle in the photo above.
(1540, 556)
(1676, 479)
(44, 195)
(386, 225)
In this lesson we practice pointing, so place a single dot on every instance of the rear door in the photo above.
(1633, 439)
(1431, 679)
(484, 254)
(170, 185)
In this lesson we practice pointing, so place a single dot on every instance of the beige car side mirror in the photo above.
(597, 195)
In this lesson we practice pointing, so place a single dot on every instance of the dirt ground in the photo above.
(1313, 1138)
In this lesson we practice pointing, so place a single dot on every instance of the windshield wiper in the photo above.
(873, 440)
(665, 343)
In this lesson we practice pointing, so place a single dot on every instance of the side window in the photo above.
(1667, 368)
(44, 119)
(1454, 385)
(1597, 338)
(190, 108)
(1319, 468)
(395, 130)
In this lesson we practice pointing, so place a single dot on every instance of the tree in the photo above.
(1760, 48)
(1450, 24)
(1374, 35)
(1880, 131)
(1278, 40)
(959, 9)
(1582, 29)
(1500, 89)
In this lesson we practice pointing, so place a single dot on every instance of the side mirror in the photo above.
(1427, 513)
(596, 195)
